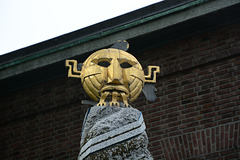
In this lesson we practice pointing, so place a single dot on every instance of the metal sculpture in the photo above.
(112, 76)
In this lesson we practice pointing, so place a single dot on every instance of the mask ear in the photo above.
(121, 44)
(73, 69)
(148, 91)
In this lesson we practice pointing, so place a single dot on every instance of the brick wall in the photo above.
(42, 122)
(196, 114)
(197, 111)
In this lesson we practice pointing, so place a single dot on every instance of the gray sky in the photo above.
(26, 22)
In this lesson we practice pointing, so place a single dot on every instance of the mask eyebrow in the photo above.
(101, 60)
(122, 60)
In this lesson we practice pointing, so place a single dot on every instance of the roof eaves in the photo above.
(101, 34)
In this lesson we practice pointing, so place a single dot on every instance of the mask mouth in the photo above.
(118, 88)
(113, 95)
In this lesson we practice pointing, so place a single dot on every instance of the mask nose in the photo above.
(115, 73)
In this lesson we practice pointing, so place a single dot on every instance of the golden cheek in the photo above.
(92, 80)
(129, 73)
(90, 89)
(134, 77)
(135, 89)
(93, 70)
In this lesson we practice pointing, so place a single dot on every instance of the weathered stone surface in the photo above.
(102, 120)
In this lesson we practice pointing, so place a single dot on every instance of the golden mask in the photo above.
(111, 76)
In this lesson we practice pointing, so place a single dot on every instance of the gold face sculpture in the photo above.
(110, 76)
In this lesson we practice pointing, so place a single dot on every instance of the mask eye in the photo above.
(125, 65)
(103, 63)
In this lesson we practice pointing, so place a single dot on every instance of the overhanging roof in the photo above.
(144, 28)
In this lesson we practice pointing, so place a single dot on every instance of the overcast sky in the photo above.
(26, 22)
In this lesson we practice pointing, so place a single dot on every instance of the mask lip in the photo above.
(119, 88)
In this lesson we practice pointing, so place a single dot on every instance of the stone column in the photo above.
(114, 133)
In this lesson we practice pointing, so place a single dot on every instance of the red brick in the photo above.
(198, 92)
